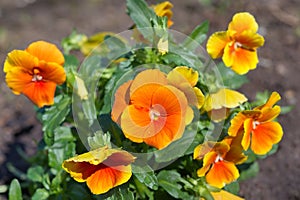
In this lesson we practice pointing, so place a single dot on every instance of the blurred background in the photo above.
(25, 21)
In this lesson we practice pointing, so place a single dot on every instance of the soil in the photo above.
(24, 21)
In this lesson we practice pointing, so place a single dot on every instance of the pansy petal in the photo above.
(174, 104)
(269, 114)
(240, 60)
(235, 154)
(200, 97)
(20, 59)
(224, 195)
(46, 51)
(202, 149)
(136, 124)
(188, 73)
(233, 98)
(18, 80)
(226, 98)
(52, 72)
(40, 93)
(80, 171)
(207, 162)
(222, 173)
(106, 178)
(216, 44)
(183, 78)
(250, 41)
(164, 9)
(236, 124)
(150, 76)
(264, 136)
(273, 99)
(248, 127)
(121, 101)
(243, 21)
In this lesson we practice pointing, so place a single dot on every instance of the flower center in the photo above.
(154, 114)
(36, 75)
(254, 124)
(237, 45)
(218, 158)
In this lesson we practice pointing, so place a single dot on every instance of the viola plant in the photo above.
(146, 114)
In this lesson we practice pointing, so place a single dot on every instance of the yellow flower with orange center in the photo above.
(102, 169)
(237, 46)
(219, 160)
(150, 110)
(218, 104)
(35, 72)
(164, 10)
(257, 126)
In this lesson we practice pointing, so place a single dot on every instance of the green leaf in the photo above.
(231, 79)
(77, 191)
(250, 172)
(70, 66)
(35, 174)
(146, 176)
(55, 183)
(15, 192)
(140, 13)
(170, 182)
(63, 148)
(54, 116)
(197, 36)
(233, 188)
(73, 41)
(116, 46)
(59, 152)
(205, 193)
(40, 194)
(120, 193)
(62, 134)
(145, 19)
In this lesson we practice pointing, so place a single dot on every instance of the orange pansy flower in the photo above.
(237, 46)
(257, 126)
(35, 72)
(218, 104)
(164, 10)
(102, 169)
(219, 160)
(151, 111)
